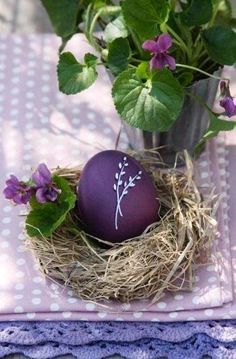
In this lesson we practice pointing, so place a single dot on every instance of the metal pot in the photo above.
(188, 129)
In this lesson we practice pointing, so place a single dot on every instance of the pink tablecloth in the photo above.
(40, 124)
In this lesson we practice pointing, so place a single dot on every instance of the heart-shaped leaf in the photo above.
(198, 13)
(220, 43)
(216, 126)
(63, 15)
(145, 16)
(118, 55)
(115, 29)
(152, 105)
(74, 77)
(45, 218)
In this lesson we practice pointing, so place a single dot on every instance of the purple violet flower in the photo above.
(227, 101)
(16, 190)
(45, 189)
(158, 48)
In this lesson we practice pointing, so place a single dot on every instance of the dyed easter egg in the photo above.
(117, 199)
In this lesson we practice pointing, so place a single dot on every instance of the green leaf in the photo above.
(118, 55)
(224, 13)
(74, 77)
(152, 105)
(216, 125)
(145, 16)
(143, 70)
(198, 13)
(115, 29)
(220, 43)
(63, 15)
(45, 218)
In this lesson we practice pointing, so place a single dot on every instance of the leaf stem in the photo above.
(180, 41)
(199, 70)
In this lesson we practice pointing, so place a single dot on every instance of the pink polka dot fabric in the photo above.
(38, 123)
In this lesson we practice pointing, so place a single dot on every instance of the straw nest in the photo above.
(163, 258)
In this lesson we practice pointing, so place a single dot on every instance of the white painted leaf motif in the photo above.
(125, 192)
(120, 183)
(132, 184)
(140, 172)
(120, 165)
(138, 177)
(114, 187)
(125, 183)
(122, 173)
(126, 164)
(117, 176)
(125, 158)
(130, 178)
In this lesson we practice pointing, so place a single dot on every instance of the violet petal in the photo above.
(42, 175)
(228, 104)
(40, 195)
(150, 45)
(164, 42)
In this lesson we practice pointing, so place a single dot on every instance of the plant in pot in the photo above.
(165, 60)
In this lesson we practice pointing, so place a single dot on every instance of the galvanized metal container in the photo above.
(188, 129)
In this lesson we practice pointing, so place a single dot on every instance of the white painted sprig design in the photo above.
(121, 187)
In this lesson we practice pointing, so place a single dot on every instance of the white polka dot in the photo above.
(119, 319)
(212, 279)
(21, 237)
(19, 286)
(29, 116)
(196, 300)
(30, 83)
(45, 99)
(18, 296)
(66, 314)
(4, 257)
(90, 306)
(20, 261)
(4, 244)
(208, 312)
(5, 232)
(173, 314)
(190, 319)
(14, 112)
(20, 274)
(161, 305)
(6, 220)
(30, 95)
(102, 314)
(36, 291)
(70, 293)
(54, 286)
(30, 315)
(7, 209)
(71, 300)
(18, 309)
(137, 314)
(36, 301)
(54, 307)
(21, 249)
(14, 101)
(126, 306)
(179, 297)
(211, 268)
(37, 279)
(36, 266)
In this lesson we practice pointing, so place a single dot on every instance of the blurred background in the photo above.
(28, 16)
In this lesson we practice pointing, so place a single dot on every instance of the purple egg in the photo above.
(117, 199)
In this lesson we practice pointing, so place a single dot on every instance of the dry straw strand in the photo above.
(162, 259)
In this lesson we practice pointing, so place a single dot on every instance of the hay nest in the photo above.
(162, 258)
